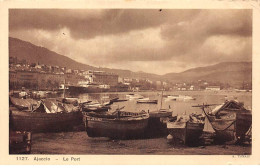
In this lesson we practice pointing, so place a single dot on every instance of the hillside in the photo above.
(231, 72)
(33, 54)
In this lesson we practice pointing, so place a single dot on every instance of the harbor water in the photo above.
(79, 143)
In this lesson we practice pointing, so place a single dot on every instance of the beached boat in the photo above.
(51, 115)
(95, 106)
(24, 104)
(160, 113)
(230, 120)
(147, 100)
(116, 125)
(157, 122)
(186, 129)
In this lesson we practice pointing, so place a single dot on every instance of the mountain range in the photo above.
(225, 72)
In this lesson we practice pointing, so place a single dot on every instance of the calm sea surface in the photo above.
(80, 143)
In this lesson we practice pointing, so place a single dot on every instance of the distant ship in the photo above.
(88, 88)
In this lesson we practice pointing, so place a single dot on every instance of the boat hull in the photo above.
(156, 128)
(225, 129)
(147, 101)
(44, 122)
(243, 123)
(187, 133)
(115, 128)
(98, 109)
(157, 123)
(234, 127)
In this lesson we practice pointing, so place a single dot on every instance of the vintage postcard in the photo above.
(150, 83)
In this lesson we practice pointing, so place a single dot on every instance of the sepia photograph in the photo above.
(130, 81)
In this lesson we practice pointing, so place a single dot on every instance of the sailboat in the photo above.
(161, 112)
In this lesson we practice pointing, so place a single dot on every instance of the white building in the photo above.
(214, 88)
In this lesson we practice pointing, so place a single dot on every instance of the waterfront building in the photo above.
(213, 88)
(68, 71)
(50, 80)
(120, 80)
(27, 79)
(73, 79)
(12, 79)
(101, 77)
(127, 80)
(32, 79)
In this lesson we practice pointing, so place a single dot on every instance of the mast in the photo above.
(161, 99)
(64, 87)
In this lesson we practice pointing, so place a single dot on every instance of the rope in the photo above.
(224, 128)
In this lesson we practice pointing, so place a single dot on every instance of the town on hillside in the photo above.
(46, 77)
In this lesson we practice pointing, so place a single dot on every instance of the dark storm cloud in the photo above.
(128, 38)
(186, 39)
(91, 23)
(211, 22)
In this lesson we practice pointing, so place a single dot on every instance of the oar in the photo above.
(118, 109)
(205, 105)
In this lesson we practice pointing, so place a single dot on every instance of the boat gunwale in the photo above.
(128, 118)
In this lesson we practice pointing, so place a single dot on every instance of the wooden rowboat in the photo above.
(230, 120)
(44, 122)
(50, 116)
(147, 100)
(119, 125)
(186, 129)
(157, 123)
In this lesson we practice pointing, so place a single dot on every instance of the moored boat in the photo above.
(186, 129)
(117, 125)
(147, 100)
(118, 100)
(179, 97)
(132, 96)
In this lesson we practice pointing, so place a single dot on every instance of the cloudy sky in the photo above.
(147, 40)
